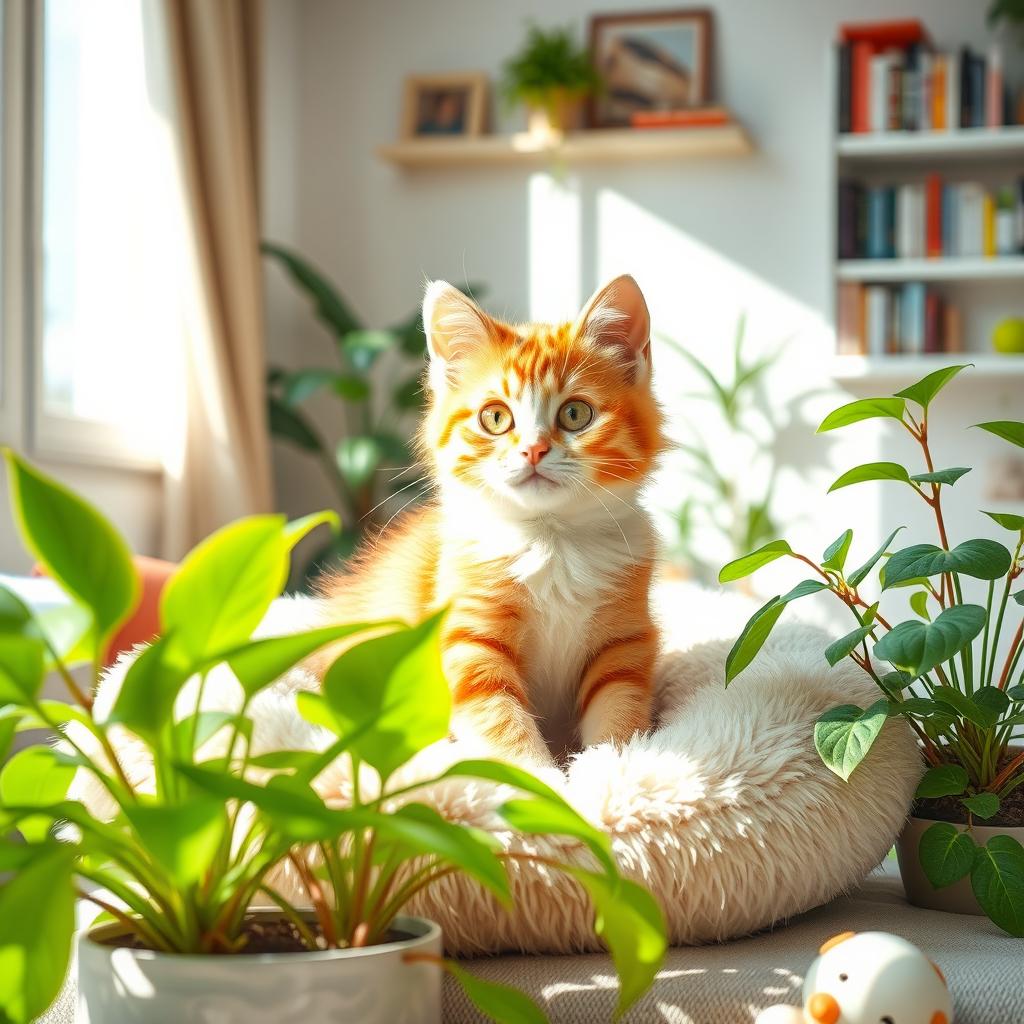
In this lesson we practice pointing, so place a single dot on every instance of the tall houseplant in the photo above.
(373, 461)
(943, 670)
(552, 76)
(203, 820)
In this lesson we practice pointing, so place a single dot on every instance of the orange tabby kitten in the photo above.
(538, 439)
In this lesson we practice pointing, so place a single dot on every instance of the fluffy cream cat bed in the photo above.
(725, 811)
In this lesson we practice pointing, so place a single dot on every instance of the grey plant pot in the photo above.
(957, 898)
(372, 985)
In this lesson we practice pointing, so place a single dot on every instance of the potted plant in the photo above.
(552, 76)
(205, 822)
(373, 463)
(949, 671)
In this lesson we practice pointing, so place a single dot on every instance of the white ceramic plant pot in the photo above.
(372, 985)
(957, 898)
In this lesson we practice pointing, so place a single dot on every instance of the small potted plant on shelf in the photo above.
(953, 671)
(204, 820)
(553, 77)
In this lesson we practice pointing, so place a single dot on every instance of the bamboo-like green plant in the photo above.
(373, 461)
(182, 860)
(942, 671)
(718, 502)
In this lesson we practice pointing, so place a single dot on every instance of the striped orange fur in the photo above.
(538, 439)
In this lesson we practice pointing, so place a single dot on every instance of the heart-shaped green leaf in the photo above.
(1007, 520)
(863, 409)
(871, 471)
(1008, 430)
(991, 700)
(78, 546)
(395, 682)
(946, 854)
(844, 735)
(917, 647)
(982, 805)
(919, 602)
(943, 780)
(983, 559)
(924, 390)
(835, 554)
(998, 882)
(858, 576)
(942, 476)
(964, 707)
(744, 566)
(835, 652)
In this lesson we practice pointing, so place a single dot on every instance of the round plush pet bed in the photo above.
(724, 811)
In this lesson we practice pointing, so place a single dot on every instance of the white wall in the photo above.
(705, 238)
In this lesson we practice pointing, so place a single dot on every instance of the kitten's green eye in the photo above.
(575, 415)
(496, 418)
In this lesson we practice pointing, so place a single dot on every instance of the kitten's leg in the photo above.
(481, 660)
(614, 699)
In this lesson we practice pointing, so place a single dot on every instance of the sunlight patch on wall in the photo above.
(554, 246)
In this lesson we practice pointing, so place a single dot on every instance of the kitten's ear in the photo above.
(617, 315)
(453, 324)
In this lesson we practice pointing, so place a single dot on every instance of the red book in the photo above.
(932, 324)
(882, 34)
(702, 117)
(860, 87)
(933, 216)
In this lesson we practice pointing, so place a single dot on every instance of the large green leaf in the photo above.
(21, 669)
(224, 587)
(928, 387)
(982, 805)
(992, 700)
(258, 663)
(844, 735)
(35, 777)
(863, 409)
(1008, 430)
(37, 921)
(983, 559)
(946, 854)
(329, 306)
(1007, 520)
(858, 576)
(841, 648)
(941, 476)
(183, 840)
(965, 707)
(145, 702)
(289, 425)
(753, 637)
(565, 820)
(78, 546)
(632, 926)
(917, 647)
(421, 831)
(499, 1002)
(943, 780)
(871, 471)
(998, 882)
(835, 554)
(397, 683)
(744, 566)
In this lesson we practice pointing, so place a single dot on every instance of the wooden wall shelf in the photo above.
(607, 145)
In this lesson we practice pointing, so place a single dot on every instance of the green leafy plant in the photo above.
(942, 670)
(183, 858)
(720, 504)
(1006, 10)
(373, 462)
(549, 72)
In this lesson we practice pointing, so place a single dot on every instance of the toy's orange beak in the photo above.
(823, 1008)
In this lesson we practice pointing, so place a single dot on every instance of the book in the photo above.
(933, 216)
(885, 33)
(850, 319)
(952, 91)
(939, 92)
(966, 88)
(1006, 223)
(953, 339)
(845, 71)
(860, 87)
(988, 225)
(977, 66)
(912, 318)
(697, 117)
(932, 324)
(879, 91)
(994, 87)
(924, 91)
(876, 320)
(970, 219)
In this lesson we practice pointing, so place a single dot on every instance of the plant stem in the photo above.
(1007, 772)
(293, 915)
(319, 901)
(136, 925)
(1011, 656)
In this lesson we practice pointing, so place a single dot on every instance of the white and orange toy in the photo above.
(868, 978)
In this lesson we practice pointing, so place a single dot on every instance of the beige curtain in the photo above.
(217, 465)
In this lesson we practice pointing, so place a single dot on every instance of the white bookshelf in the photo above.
(987, 289)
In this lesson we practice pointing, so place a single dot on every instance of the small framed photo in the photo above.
(650, 63)
(444, 104)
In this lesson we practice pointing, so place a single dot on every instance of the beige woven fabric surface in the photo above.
(730, 983)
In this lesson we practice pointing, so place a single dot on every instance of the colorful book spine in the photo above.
(912, 321)
(952, 91)
(938, 89)
(876, 304)
(988, 225)
(860, 87)
(933, 216)
(994, 87)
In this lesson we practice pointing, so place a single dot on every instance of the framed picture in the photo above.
(654, 62)
(444, 104)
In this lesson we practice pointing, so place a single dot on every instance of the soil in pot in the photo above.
(949, 808)
(264, 935)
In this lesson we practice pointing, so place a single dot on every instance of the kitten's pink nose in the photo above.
(533, 453)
